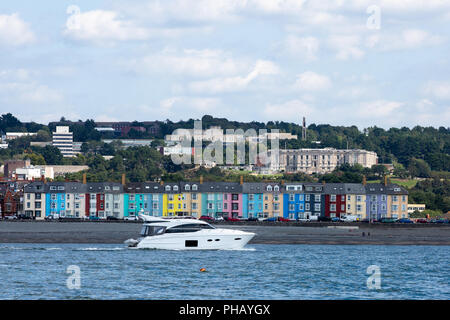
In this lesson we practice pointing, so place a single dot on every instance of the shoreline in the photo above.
(321, 234)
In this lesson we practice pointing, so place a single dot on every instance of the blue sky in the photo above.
(244, 60)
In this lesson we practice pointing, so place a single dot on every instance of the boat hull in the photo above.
(217, 239)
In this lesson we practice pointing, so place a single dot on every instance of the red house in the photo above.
(335, 200)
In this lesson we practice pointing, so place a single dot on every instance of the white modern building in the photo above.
(63, 140)
(317, 160)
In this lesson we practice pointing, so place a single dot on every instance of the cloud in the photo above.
(174, 106)
(403, 40)
(195, 63)
(440, 90)
(346, 46)
(311, 81)
(230, 84)
(305, 47)
(378, 108)
(102, 26)
(287, 111)
(14, 31)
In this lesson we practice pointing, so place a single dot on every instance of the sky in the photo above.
(367, 63)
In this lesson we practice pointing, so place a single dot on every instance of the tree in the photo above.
(52, 155)
(419, 168)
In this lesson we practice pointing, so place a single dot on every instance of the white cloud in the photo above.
(305, 47)
(287, 111)
(406, 39)
(172, 107)
(440, 90)
(29, 92)
(230, 84)
(14, 31)
(346, 46)
(103, 26)
(378, 108)
(311, 81)
(196, 63)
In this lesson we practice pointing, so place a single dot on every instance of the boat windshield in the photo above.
(191, 227)
(152, 230)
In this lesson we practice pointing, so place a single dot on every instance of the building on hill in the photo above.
(11, 165)
(319, 161)
(63, 140)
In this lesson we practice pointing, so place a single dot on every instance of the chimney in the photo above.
(84, 178)
(241, 180)
(385, 181)
(323, 182)
(364, 182)
(124, 180)
(201, 179)
(161, 182)
(282, 182)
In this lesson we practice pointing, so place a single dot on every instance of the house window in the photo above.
(333, 198)
(194, 196)
(276, 188)
(332, 207)
(316, 198)
(307, 197)
(194, 187)
(316, 207)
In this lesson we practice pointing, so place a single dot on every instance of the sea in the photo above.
(288, 272)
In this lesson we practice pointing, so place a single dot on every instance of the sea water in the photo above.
(49, 271)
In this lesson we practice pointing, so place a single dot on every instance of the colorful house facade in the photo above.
(292, 200)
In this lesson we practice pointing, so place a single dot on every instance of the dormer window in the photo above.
(276, 188)
(194, 187)
(187, 187)
(175, 188)
(269, 188)
(167, 188)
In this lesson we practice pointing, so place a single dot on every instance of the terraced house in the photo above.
(293, 200)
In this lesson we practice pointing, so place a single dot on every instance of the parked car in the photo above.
(272, 219)
(10, 217)
(421, 221)
(111, 218)
(303, 220)
(323, 219)
(207, 218)
(130, 218)
(283, 219)
(440, 221)
(336, 219)
(404, 220)
(388, 220)
(253, 219)
(220, 219)
(23, 217)
(349, 218)
(231, 219)
(94, 218)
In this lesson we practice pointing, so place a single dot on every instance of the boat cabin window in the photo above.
(192, 227)
(152, 231)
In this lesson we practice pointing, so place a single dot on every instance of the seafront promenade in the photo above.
(273, 233)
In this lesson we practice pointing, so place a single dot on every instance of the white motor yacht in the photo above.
(187, 234)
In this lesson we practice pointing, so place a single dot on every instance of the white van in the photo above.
(349, 218)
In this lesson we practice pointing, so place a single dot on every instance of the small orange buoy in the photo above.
(202, 270)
